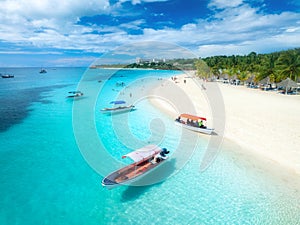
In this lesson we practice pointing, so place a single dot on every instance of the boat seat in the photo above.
(153, 161)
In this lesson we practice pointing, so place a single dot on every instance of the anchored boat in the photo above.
(145, 160)
(119, 106)
(194, 123)
(75, 94)
(43, 70)
(7, 76)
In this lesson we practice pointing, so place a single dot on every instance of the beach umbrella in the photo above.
(224, 76)
(287, 84)
(250, 79)
(265, 81)
(234, 77)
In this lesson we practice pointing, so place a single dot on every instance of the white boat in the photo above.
(75, 94)
(194, 123)
(145, 160)
(7, 76)
(119, 107)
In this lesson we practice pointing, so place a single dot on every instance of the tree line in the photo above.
(277, 66)
(153, 65)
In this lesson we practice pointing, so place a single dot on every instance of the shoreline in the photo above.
(262, 126)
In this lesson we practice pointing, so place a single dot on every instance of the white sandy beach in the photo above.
(265, 125)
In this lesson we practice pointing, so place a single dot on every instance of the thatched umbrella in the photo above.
(250, 79)
(287, 84)
(224, 76)
(265, 81)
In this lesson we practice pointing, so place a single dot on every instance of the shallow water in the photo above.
(45, 178)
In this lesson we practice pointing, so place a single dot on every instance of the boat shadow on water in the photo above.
(119, 112)
(154, 178)
(214, 133)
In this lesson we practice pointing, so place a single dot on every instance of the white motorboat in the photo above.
(145, 160)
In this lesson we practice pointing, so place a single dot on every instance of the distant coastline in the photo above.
(253, 68)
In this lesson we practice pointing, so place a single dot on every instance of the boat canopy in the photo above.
(191, 117)
(143, 153)
(74, 92)
(117, 102)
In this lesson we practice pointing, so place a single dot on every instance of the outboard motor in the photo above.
(164, 152)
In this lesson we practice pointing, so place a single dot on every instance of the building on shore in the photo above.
(154, 60)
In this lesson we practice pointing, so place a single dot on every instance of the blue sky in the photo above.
(76, 32)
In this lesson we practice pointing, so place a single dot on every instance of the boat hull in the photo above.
(7, 76)
(74, 96)
(111, 182)
(196, 129)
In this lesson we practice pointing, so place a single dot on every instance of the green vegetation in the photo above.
(277, 66)
(170, 64)
(153, 65)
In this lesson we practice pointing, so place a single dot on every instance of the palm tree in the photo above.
(288, 65)
(202, 69)
(268, 66)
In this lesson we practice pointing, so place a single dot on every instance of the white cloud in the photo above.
(265, 44)
(47, 23)
(229, 49)
(21, 52)
(52, 24)
(32, 9)
(73, 61)
(133, 25)
(239, 30)
(134, 2)
(235, 28)
(232, 28)
(292, 29)
(221, 4)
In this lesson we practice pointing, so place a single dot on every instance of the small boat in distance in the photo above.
(145, 160)
(7, 76)
(43, 70)
(75, 94)
(119, 107)
(194, 123)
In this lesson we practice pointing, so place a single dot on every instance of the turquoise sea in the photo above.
(55, 151)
